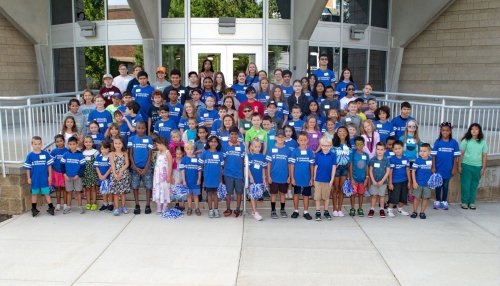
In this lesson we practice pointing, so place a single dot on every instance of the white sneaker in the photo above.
(436, 205)
(402, 211)
(289, 194)
(257, 216)
(341, 214)
(58, 207)
(390, 212)
(335, 213)
(445, 205)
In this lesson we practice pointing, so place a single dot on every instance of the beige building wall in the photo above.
(458, 54)
(18, 73)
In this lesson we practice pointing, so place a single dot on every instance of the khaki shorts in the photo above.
(322, 191)
(73, 185)
(422, 192)
(378, 191)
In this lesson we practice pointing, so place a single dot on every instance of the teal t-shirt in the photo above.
(473, 152)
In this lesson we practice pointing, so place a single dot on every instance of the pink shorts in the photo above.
(359, 188)
(57, 179)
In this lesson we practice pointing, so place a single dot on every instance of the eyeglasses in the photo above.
(359, 144)
(247, 110)
(350, 89)
(326, 145)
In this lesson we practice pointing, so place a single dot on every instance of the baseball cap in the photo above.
(280, 132)
(108, 75)
(272, 102)
(117, 95)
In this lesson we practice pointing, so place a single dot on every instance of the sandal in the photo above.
(236, 213)
(189, 212)
(413, 215)
(227, 212)
(197, 212)
(423, 216)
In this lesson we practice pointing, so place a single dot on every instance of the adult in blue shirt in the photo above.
(323, 73)
(142, 94)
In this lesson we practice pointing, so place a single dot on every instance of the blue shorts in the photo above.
(147, 180)
(38, 191)
(194, 190)
(341, 171)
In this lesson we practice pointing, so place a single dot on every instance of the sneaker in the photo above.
(327, 215)
(371, 213)
(197, 212)
(66, 210)
(335, 213)
(34, 212)
(88, 206)
(147, 210)
(123, 210)
(103, 208)
(444, 205)
(51, 210)
(283, 214)
(308, 216)
(82, 210)
(217, 213)
(110, 208)
(227, 212)
(402, 211)
(436, 205)
(422, 216)
(352, 212)
(382, 213)
(295, 214)
(93, 207)
(472, 206)
(464, 206)
(211, 214)
(137, 210)
(390, 212)
(116, 212)
(189, 212)
(317, 216)
(58, 207)
(361, 213)
(341, 214)
(413, 215)
(257, 216)
(274, 215)
(237, 213)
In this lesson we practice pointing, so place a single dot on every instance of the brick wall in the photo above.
(458, 54)
(19, 74)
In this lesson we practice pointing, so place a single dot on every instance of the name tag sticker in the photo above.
(303, 152)
(205, 114)
(271, 137)
(177, 109)
(237, 148)
(144, 140)
(327, 106)
(94, 136)
(291, 123)
(247, 125)
(404, 162)
(376, 165)
(391, 153)
(325, 74)
(161, 124)
(181, 91)
(280, 103)
(379, 125)
(216, 156)
(348, 119)
(428, 163)
(256, 166)
(42, 157)
(87, 158)
(194, 160)
(101, 125)
(225, 138)
(261, 137)
(363, 157)
(315, 135)
(275, 150)
(138, 90)
(104, 159)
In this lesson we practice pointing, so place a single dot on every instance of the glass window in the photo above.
(64, 70)
(278, 57)
(173, 58)
(331, 12)
(279, 9)
(91, 10)
(380, 12)
(378, 60)
(224, 8)
(119, 9)
(333, 55)
(172, 8)
(355, 60)
(91, 63)
(356, 11)
(240, 63)
(124, 54)
(59, 12)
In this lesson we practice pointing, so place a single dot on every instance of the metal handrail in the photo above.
(435, 96)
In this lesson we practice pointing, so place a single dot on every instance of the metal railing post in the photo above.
(471, 103)
(2, 147)
(443, 103)
(30, 118)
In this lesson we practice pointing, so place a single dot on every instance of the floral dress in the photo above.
(161, 188)
(121, 186)
(90, 175)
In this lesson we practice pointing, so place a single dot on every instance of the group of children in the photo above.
(145, 139)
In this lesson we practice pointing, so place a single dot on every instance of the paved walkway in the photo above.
(455, 247)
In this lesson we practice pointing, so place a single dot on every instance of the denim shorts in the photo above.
(147, 180)
(341, 171)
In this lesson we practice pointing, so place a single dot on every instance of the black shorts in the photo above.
(305, 191)
(274, 188)
(399, 194)
(211, 190)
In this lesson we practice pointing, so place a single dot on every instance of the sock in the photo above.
(305, 212)
(296, 211)
(372, 209)
(51, 206)
(273, 206)
(33, 206)
(318, 211)
(282, 206)
(65, 206)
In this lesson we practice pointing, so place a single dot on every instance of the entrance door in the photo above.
(227, 59)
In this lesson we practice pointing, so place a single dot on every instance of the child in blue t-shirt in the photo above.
(445, 157)
(234, 154)
(191, 178)
(420, 173)
(39, 174)
(164, 126)
(122, 126)
(358, 174)
(57, 170)
(301, 174)
(133, 116)
(411, 140)
(278, 174)
(100, 115)
(290, 137)
(399, 122)
(382, 124)
(142, 94)
(379, 169)
(97, 137)
(296, 122)
(73, 166)
(212, 160)
(240, 87)
(325, 165)
(208, 115)
(175, 108)
(140, 152)
(257, 165)
(399, 180)
(103, 170)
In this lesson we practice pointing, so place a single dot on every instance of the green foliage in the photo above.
(139, 55)
(95, 65)
(226, 8)
(176, 9)
(94, 9)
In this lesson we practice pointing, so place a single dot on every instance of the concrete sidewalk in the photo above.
(454, 247)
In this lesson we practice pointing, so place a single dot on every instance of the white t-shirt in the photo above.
(122, 81)
(345, 101)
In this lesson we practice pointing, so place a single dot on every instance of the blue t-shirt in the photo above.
(212, 167)
(175, 112)
(411, 147)
(327, 77)
(271, 138)
(103, 118)
(287, 90)
(281, 110)
(262, 97)
(73, 163)
(291, 144)
(384, 129)
(98, 138)
(57, 154)
(257, 164)
(191, 168)
(379, 167)
(399, 124)
(207, 116)
(124, 132)
(233, 156)
(422, 170)
(388, 154)
(398, 166)
(340, 88)
(278, 158)
(302, 161)
(216, 126)
(252, 79)
(102, 163)
(359, 164)
(141, 147)
(163, 128)
(142, 95)
(240, 92)
(296, 124)
(183, 123)
(343, 154)
(445, 153)
(133, 121)
(325, 163)
(39, 164)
